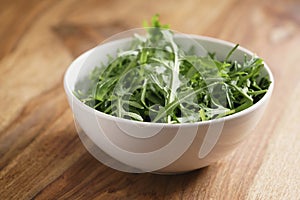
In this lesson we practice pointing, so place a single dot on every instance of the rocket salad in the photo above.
(156, 81)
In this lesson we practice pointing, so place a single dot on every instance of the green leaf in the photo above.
(155, 80)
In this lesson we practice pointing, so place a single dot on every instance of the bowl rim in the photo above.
(250, 109)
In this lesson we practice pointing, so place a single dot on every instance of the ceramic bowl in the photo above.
(157, 147)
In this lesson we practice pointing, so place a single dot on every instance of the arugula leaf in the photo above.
(156, 81)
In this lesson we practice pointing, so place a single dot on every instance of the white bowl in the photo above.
(159, 147)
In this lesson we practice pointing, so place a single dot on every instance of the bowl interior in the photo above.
(98, 56)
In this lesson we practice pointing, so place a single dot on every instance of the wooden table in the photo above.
(41, 155)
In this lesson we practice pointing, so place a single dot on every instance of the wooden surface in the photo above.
(41, 155)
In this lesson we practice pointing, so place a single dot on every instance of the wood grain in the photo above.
(41, 156)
